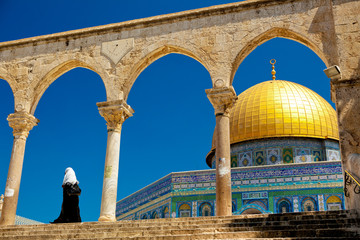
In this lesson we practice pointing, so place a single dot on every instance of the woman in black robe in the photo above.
(70, 211)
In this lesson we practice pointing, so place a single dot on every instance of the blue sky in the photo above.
(168, 133)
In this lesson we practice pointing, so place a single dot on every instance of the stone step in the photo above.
(128, 232)
(328, 233)
(332, 223)
(198, 221)
(218, 227)
(190, 238)
(310, 225)
(248, 218)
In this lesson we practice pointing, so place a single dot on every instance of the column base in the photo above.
(107, 218)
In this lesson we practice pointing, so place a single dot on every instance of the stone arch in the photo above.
(155, 55)
(271, 34)
(55, 73)
(165, 212)
(154, 215)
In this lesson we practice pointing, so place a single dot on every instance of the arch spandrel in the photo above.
(250, 45)
(151, 57)
(17, 78)
(51, 76)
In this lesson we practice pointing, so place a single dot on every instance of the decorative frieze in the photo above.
(252, 183)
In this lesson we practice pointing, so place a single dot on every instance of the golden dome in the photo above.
(281, 109)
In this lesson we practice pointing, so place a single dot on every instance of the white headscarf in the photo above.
(70, 177)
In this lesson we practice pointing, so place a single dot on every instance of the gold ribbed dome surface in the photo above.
(280, 109)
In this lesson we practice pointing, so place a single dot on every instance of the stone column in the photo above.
(115, 113)
(222, 99)
(345, 93)
(22, 123)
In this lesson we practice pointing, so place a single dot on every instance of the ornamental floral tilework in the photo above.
(245, 159)
(273, 156)
(296, 204)
(259, 158)
(288, 155)
(317, 156)
(234, 161)
(263, 187)
(321, 202)
(260, 202)
(194, 208)
(333, 155)
(302, 155)
(282, 150)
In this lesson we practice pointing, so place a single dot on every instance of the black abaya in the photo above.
(70, 211)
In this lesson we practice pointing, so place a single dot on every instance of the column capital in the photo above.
(22, 123)
(115, 113)
(222, 99)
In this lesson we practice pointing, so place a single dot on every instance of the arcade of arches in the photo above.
(219, 37)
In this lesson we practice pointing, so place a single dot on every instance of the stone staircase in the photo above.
(309, 225)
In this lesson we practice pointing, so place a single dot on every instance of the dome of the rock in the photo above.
(275, 111)
(281, 109)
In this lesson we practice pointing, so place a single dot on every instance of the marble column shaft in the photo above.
(22, 123)
(222, 99)
(115, 113)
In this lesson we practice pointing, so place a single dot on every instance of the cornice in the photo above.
(145, 22)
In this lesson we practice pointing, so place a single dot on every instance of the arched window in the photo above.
(165, 212)
(284, 206)
(205, 210)
(154, 215)
(308, 204)
(185, 210)
(144, 216)
(333, 203)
